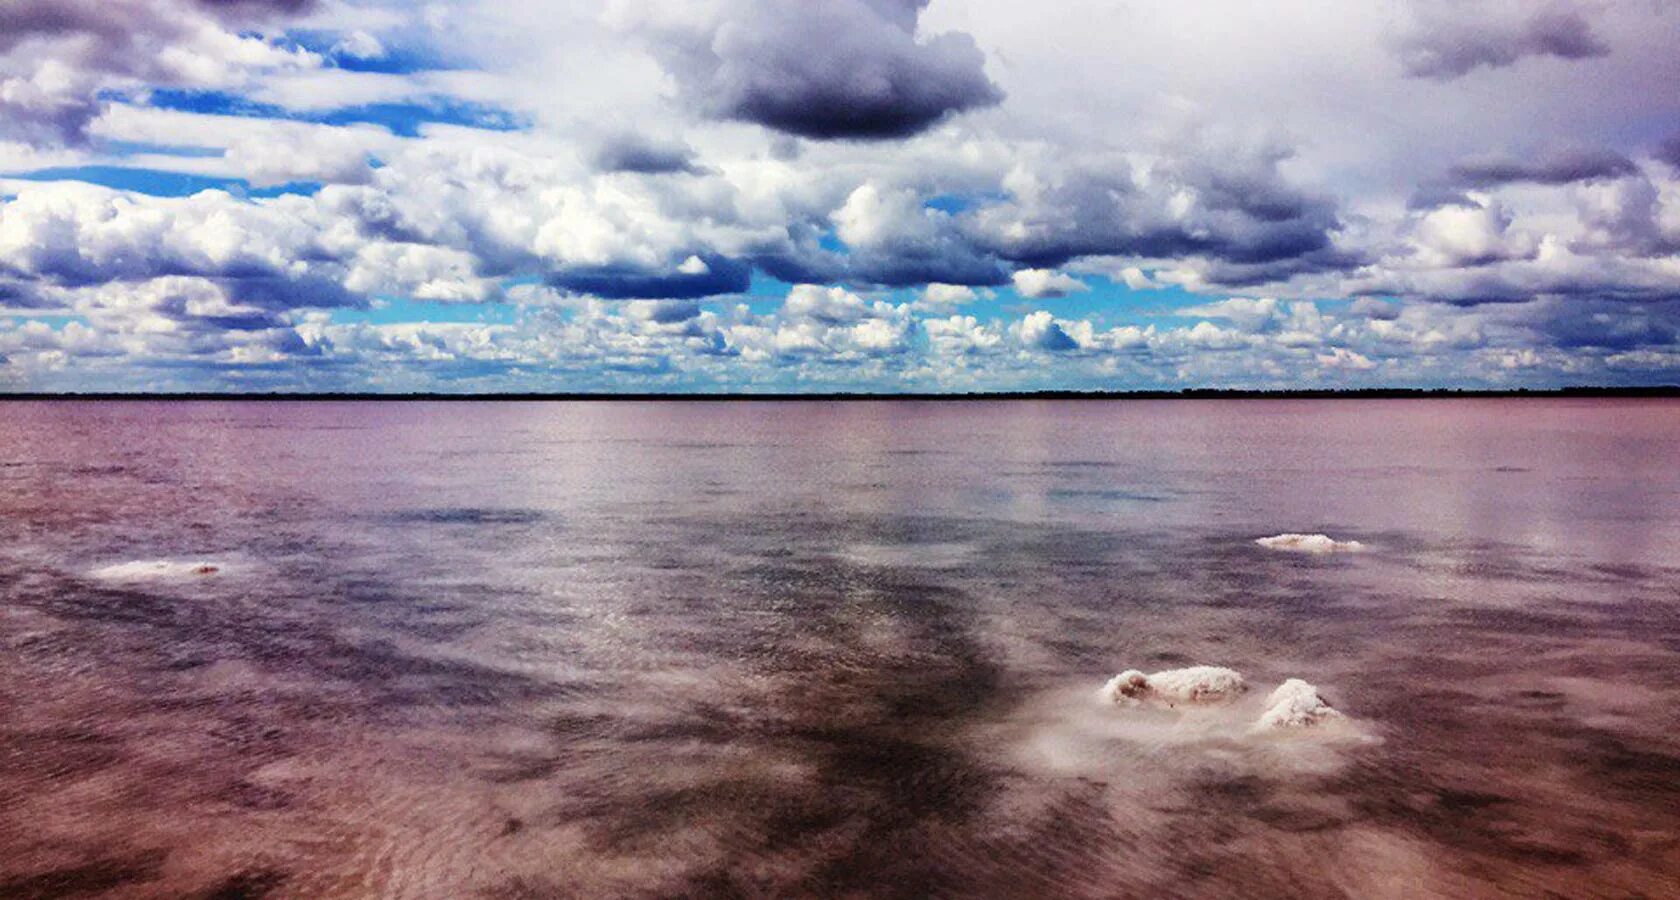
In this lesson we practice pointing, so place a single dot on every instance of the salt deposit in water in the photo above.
(1308, 543)
(1196, 684)
(1296, 704)
(1293, 704)
(158, 569)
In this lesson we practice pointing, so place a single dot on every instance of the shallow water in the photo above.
(641, 649)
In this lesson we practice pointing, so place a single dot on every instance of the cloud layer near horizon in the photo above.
(863, 194)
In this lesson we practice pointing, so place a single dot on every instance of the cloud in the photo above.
(75, 234)
(838, 69)
(1451, 41)
(1046, 283)
(57, 55)
(1559, 168)
(1601, 239)
(938, 296)
(961, 335)
(830, 306)
(420, 271)
(1237, 210)
(262, 152)
(664, 312)
(1251, 314)
(824, 326)
(1040, 331)
(358, 45)
(50, 105)
(1626, 218)
(205, 276)
(1372, 308)
(1343, 358)
(895, 239)
(257, 7)
(1460, 236)
(524, 213)
(695, 276)
(1669, 152)
(672, 156)
(630, 152)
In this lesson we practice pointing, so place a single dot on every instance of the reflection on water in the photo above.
(517, 650)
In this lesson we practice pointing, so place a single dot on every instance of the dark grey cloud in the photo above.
(282, 293)
(22, 295)
(262, 302)
(1559, 168)
(258, 7)
(1373, 308)
(1444, 48)
(716, 275)
(950, 259)
(1591, 279)
(1239, 212)
(1240, 219)
(1669, 152)
(22, 21)
(1601, 325)
(1624, 218)
(956, 264)
(835, 69)
(1242, 275)
(637, 153)
(668, 312)
(43, 119)
(785, 148)
(901, 13)
(111, 32)
(1436, 195)
(94, 41)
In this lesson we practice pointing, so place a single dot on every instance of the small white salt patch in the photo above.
(151, 569)
(1308, 543)
(1196, 684)
(1295, 704)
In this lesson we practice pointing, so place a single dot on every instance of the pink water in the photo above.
(699, 649)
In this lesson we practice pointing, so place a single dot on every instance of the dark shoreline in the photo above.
(1658, 392)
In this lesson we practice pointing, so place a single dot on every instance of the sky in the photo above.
(845, 195)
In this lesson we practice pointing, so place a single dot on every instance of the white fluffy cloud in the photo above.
(66, 233)
(1043, 283)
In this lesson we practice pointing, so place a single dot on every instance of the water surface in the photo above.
(645, 649)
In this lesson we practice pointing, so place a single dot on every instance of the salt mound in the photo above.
(1308, 543)
(150, 569)
(1296, 704)
(1196, 684)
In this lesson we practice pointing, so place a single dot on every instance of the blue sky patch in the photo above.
(399, 56)
(404, 118)
(161, 183)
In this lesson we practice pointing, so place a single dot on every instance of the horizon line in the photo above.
(1580, 391)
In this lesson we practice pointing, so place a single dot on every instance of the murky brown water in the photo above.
(839, 650)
